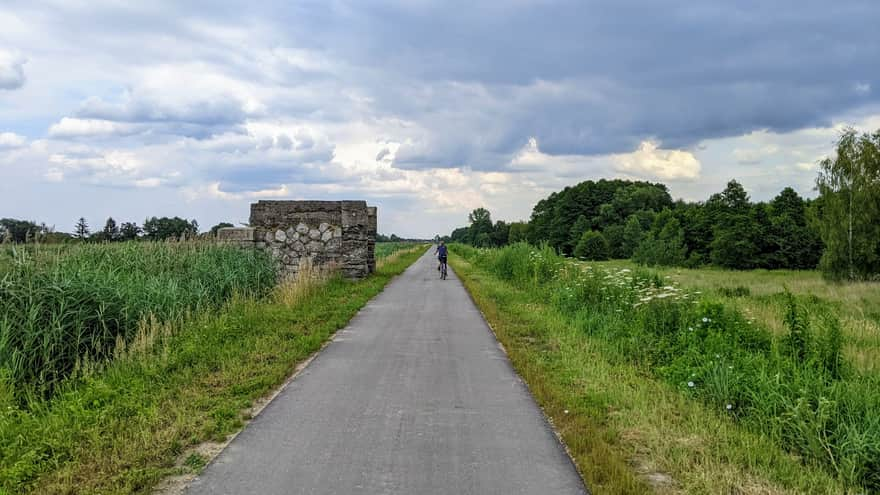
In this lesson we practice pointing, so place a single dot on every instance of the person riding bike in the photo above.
(441, 254)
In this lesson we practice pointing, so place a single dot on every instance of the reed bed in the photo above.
(61, 309)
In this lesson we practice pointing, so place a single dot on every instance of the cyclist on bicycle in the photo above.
(441, 254)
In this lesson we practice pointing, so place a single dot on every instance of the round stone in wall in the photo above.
(294, 236)
(315, 247)
(290, 233)
(280, 236)
(326, 236)
(323, 227)
(269, 237)
(286, 259)
(302, 228)
(315, 234)
(299, 247)
(337, 232)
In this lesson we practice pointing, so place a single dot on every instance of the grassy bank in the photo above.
(651, 385)
(760, 294)
(125, 427)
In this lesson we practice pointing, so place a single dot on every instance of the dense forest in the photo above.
(596, 220)
(604, 219)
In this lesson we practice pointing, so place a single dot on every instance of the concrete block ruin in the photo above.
(336, 235)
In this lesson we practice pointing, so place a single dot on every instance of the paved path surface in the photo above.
(413, 397)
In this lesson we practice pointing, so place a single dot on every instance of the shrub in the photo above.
(592, 246)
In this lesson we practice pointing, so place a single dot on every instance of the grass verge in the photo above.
(627, 431)
(123, 429)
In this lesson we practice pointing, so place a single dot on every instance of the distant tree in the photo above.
(733, 244)
(109, 233)
(794, 243)
(81, 229)
(518, 232)
(581, 225)
(614, 235)
(129, 231)
(223, 225)
(632, 236)
(500, 233)
(481, 223)
(849, 188)
(591, 246)
(664, 243)
(461, 234)
(160, 229)
(20, 231)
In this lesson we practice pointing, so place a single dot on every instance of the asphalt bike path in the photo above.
(414, 396)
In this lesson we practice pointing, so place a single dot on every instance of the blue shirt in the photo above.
(441, 251)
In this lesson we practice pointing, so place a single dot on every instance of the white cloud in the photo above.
(214, 191)
(70, 127)
(650, 161)
(11, 69)
(10, 140)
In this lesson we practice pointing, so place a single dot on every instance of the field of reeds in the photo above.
(790, 408)
(174, 383)
(64, 309)
(384, 249)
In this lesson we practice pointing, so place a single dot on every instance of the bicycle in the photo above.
(442, 270)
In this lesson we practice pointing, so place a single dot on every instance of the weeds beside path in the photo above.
(123, 429)
(628, 431)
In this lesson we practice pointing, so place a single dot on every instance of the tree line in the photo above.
(153, 229)
(838, 232)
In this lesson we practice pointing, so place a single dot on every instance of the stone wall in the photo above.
(339, 235)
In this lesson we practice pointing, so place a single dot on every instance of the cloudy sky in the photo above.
(426, 109)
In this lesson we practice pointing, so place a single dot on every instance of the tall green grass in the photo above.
(796, 389)
(385, 249)
(59, 310)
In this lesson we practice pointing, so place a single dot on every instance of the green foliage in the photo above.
(727, 230)
(797, 390)
(581, 226)
(605, 202)
(794, 243)
(21, 231)
(592, 246)
(129, 231)
(161, 229)
(664, 243)
(632, 236)
(81, 229)
(58, 311)
(849, 188)
(518, 232)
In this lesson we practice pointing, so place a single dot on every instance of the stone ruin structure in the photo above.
(337, 235)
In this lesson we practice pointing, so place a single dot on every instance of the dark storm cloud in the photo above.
(677, 71)
(473, 82)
